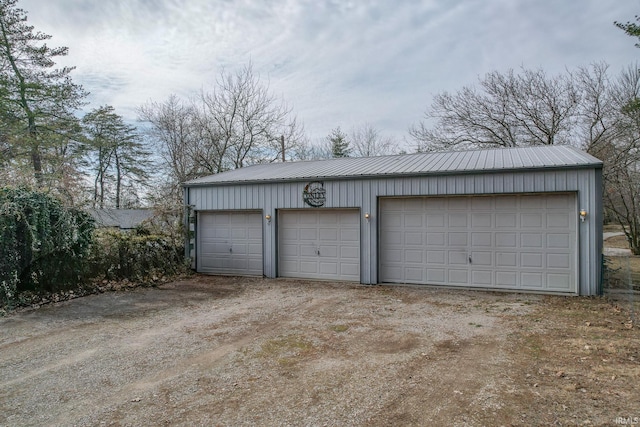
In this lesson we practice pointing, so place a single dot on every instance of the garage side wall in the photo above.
(364, 194)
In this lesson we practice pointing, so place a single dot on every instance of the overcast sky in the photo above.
(337, 63)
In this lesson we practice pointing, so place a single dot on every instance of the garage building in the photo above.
(522, 219)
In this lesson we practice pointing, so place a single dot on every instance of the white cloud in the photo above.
(336, 62)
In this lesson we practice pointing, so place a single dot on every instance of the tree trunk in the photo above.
(118, 180)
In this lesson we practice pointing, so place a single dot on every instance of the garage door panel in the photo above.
(457, 258)
(435, 220)
(308, 233)
(506, 259)
(413, 256)
(458, 220)
(307, 250)
(350, 219)
(435, 239)
(481, 239)
(457, 203)
(350, 235)
(328, 251)
(255, 233)
(506, 278)
(481, 220)
(308, 266)
(504, 203)
(458, 239)
(413, 239)
(558, 221)
(482, 258)
(532, 201)
(328, 234)
(392, 237)
(349, 269)
(559, 281)
(350, 253)
(436, 276)
(413, 220)
(531, 279)
(511, 241)
(413, 274)
(220, 232)
(481, 203)
(434, 203)
(531, 260)
(506, 220)
(289, 234)
(289, 250)
(230, 243)
(559, 241)
(558, 261)
(506, 240)
(436, 257)
(559, 201)
(481, 277)
(238, 233)
(329, 268)
(239, 250)
(328, 218)
(327, 244)
(459, 277)
(529, 220)
(531, 240)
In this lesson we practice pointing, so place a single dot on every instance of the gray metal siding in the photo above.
(363, 193)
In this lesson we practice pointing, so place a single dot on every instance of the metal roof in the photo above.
(542, 157)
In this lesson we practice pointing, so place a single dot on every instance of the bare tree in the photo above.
(622, 157)
(508, 110)
(242, 123)
(172, 128)
(367, 141)
(238, 123)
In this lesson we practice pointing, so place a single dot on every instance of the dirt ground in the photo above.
(238, 351)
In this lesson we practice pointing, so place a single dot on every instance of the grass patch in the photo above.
(618, 270)
(339, 328)
(287, 349)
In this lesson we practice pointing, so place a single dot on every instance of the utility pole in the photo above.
(282, 144)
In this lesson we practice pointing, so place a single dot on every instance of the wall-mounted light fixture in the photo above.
(268, 218)
(367, 216)
(583, 215)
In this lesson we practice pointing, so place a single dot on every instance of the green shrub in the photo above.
(44, 246)
(137, 255)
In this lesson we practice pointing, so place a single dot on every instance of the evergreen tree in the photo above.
(339, 144)
(630, 28)
(37, 101)
(116, 157)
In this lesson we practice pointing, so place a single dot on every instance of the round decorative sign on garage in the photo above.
(314, 194)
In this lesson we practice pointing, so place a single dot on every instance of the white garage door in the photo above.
(523, 242)
(319, 244)
(230, 243)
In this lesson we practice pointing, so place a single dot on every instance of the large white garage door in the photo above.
(230, 243)
(525, 242)
(319, 244)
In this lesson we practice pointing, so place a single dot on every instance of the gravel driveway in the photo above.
(238, 351)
